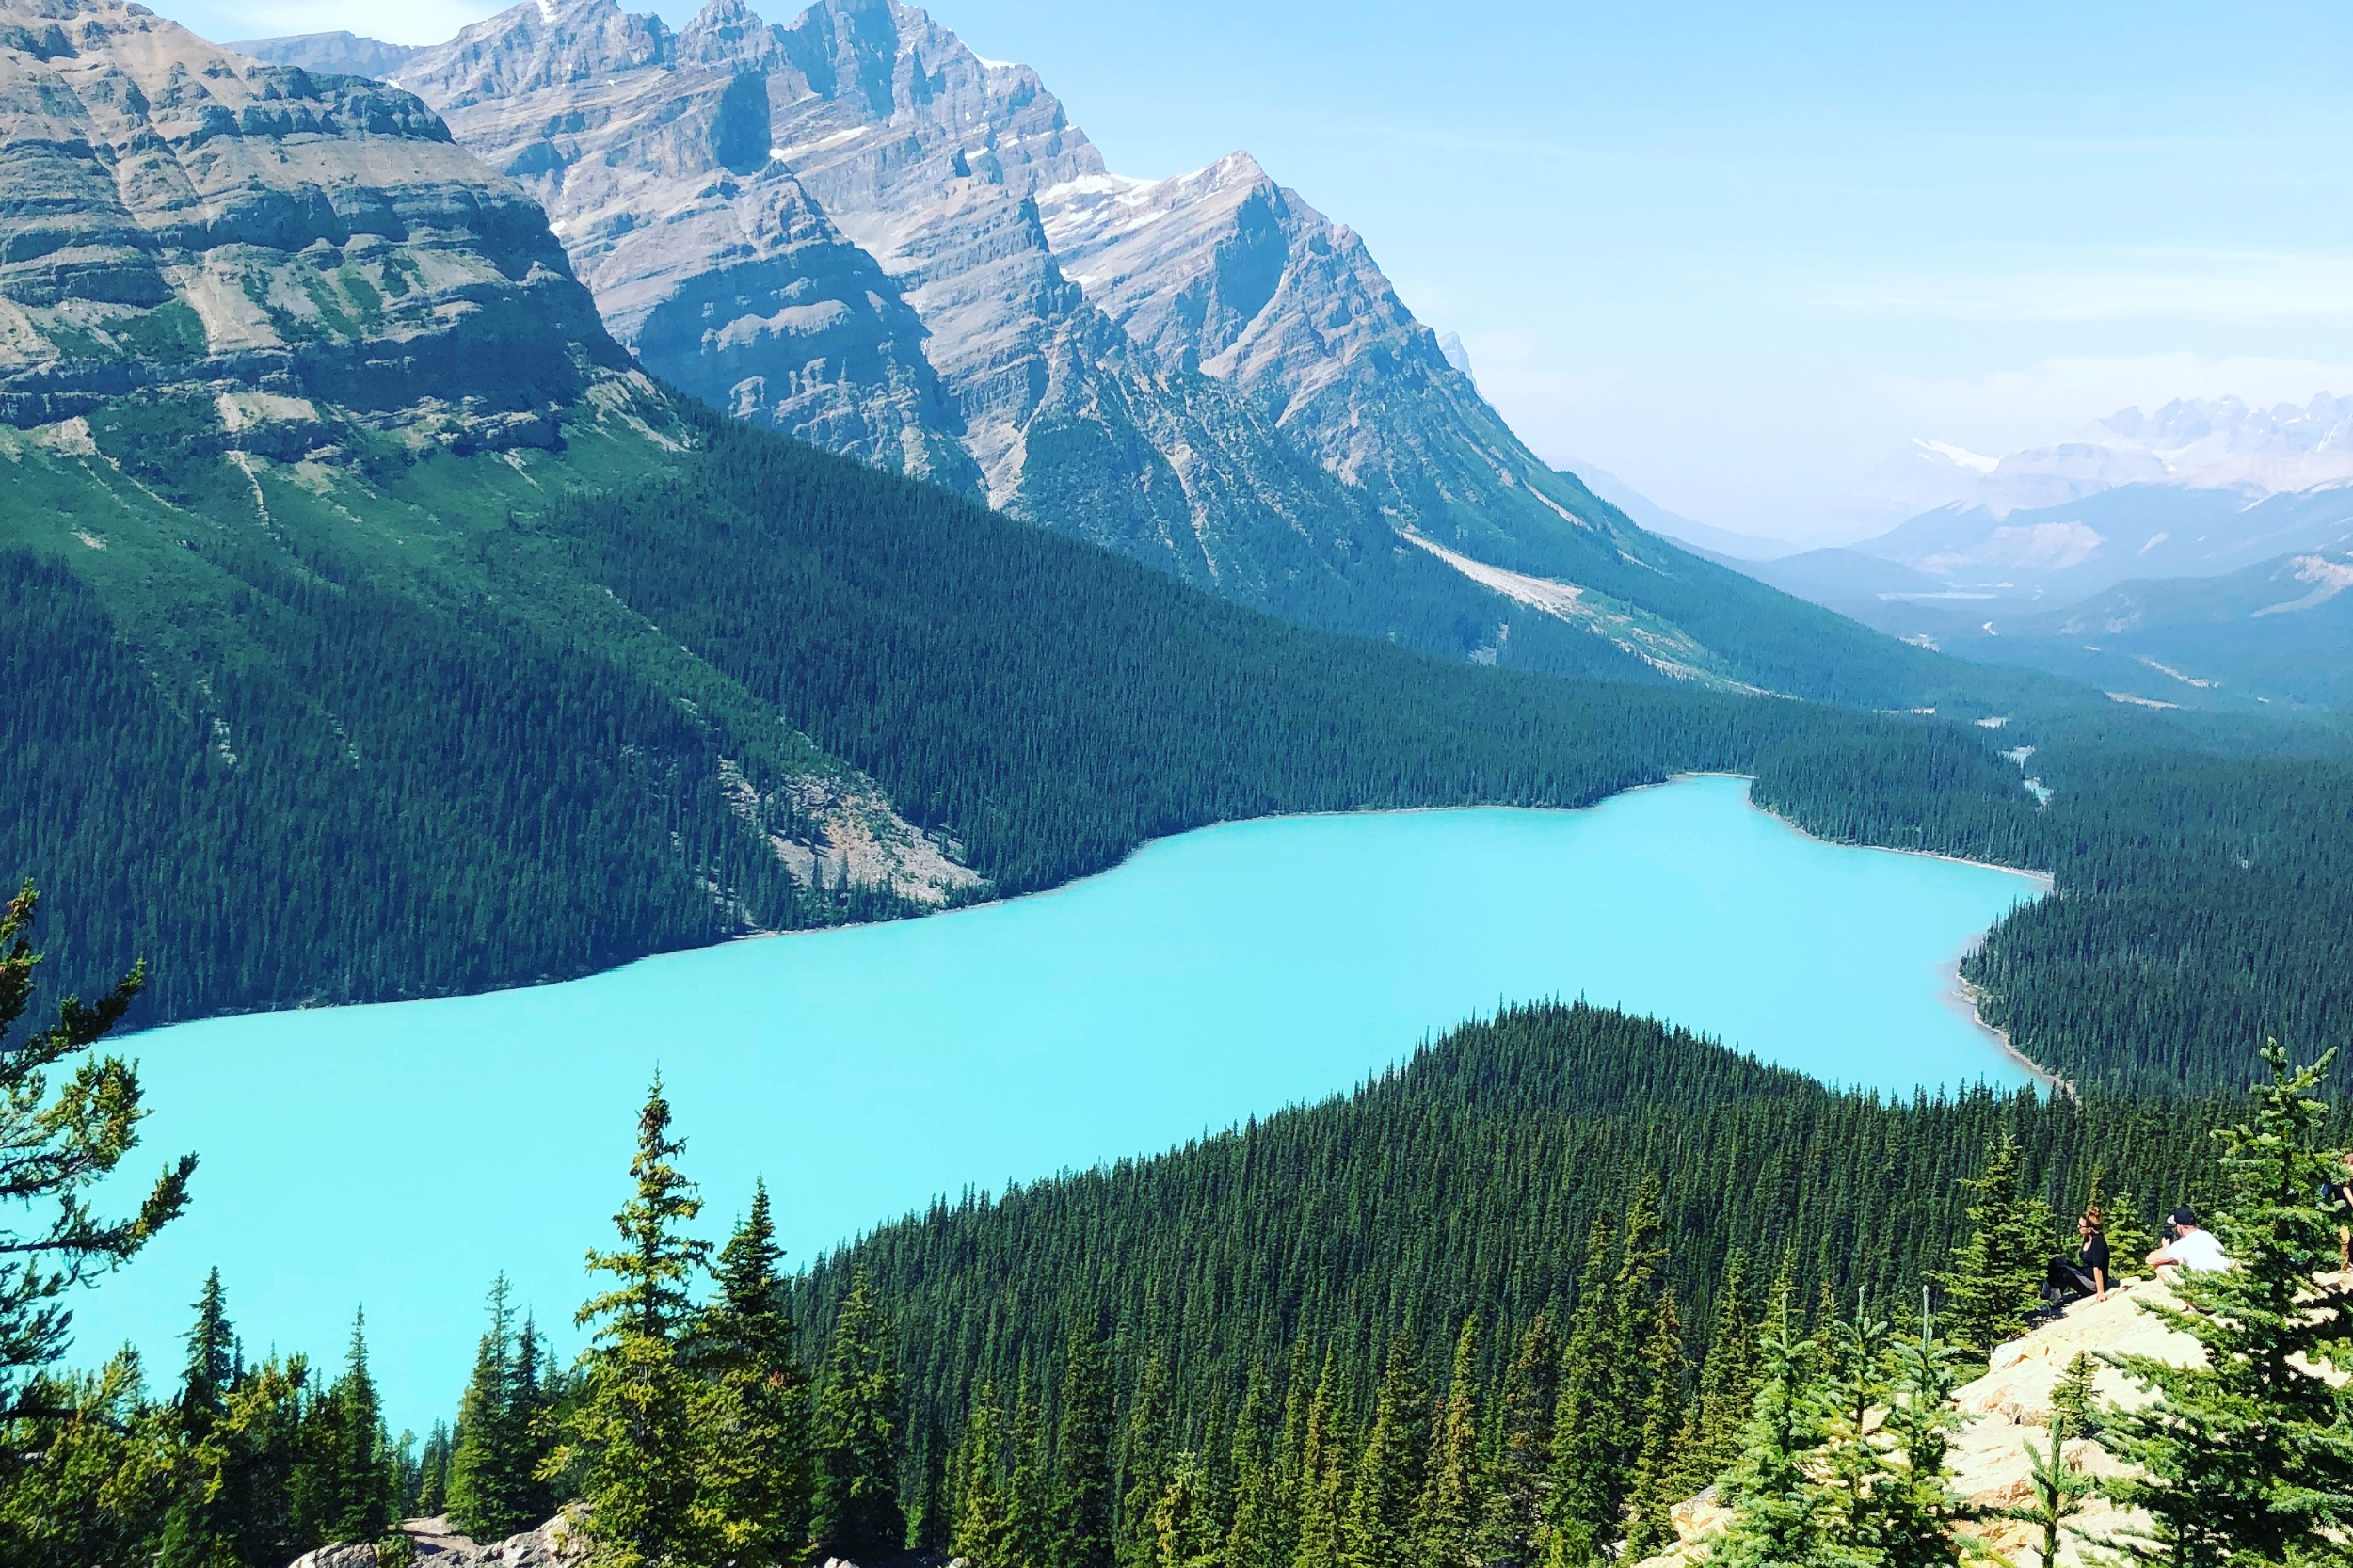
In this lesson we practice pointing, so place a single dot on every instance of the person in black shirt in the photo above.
(2086, 1273)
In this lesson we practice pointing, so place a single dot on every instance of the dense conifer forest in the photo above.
(1502, 1306)
(308, 762)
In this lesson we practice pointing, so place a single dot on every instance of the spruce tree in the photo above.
(981, 1530)
(1580, 1512)
(212, 1365)
(2074, 1400)
(1392, 1468)
(1184, 1521)
(1454, 1522)
(493, 1483)
(856, 1429)
(2058, 1489)
(1531, 1390)
(1324, 1478)
(344, 1488)
(1659, 1467)
(1030, 1535)
(1727, 1381)
(431, 1498)
(1781, 1516)
(57, 1142)
(1147, 1459)
(1255, 1538)
(1082, 1458)
(634, 1436)
(1997, 1273)
(2248, 1454)
(758, 1481)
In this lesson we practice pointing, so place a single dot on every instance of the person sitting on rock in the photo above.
(2070, 1279)
(2192, 1249)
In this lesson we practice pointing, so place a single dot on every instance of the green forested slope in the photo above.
(1465, 1185)
(420, 722)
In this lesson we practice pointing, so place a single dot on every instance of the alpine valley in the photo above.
(475, 516)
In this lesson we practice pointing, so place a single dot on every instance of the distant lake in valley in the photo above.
(398, 1155)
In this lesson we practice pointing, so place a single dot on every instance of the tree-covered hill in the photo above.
(1467, 1184)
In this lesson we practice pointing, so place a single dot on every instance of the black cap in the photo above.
(2184, 1216)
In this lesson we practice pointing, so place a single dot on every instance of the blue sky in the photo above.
(1739, 255)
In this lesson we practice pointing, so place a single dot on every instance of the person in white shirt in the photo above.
(2193, 1249)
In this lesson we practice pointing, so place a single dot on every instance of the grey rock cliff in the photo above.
(173, 213)
(650, 152)
(854, 229)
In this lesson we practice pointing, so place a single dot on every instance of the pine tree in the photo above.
(1184, 1521)
(2058, 1490)
(2248, 1454)
(1453, 1523)
(1581, 1510)
(1390, 1471)
(1147, 1459)
(344, 1488)
(758, 1481)
(982, 1528)
(1996, 1274)
(1727, 1381)
(855, 1428)
(1659, 1466)
(56, 1143)
(635, 1433)
(1082, 1456)
(2074, 1400)
(1531, 1390)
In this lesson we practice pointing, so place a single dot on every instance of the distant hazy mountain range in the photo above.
(2217, 444)
(2176, 558)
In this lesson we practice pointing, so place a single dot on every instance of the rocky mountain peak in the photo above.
(173, 214)
(728, 33)
(536, 45)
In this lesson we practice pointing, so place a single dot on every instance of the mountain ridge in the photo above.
(851, 228)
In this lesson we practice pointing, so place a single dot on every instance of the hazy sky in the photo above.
(1739, 253)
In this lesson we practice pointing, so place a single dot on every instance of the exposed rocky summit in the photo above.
(2002, 1410)
(854, 229)
(172, 214)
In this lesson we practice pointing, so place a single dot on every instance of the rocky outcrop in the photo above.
(172, 214)
(437, 1543)
(2003, 1410)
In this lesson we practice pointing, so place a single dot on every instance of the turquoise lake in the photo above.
(397, 1156)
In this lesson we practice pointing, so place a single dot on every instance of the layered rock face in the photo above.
(1226, 272)
(856, 230)
(651, 152)
(172, 214)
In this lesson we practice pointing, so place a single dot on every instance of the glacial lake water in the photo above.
(397, 1156)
